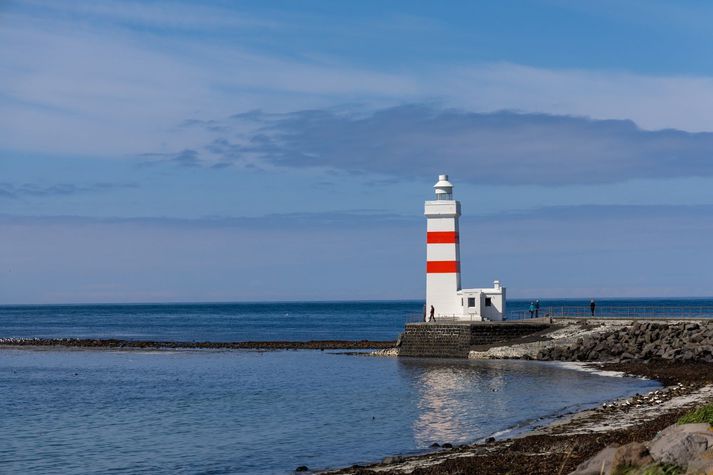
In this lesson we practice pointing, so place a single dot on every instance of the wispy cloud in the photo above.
(163, 16)
(344, 219)
(485, 148)
(574, 216)
(14, 191)
(185, 158)
(113, 78)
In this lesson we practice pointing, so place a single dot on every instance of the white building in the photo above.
(444, 295)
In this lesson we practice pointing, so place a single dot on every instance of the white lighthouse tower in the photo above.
(443, 287)
(442, 250)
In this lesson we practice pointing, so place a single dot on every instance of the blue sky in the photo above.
(192, 151)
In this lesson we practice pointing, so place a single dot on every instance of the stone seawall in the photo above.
(454, 340)
(435, 340)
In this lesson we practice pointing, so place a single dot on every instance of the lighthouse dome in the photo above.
(444, 188)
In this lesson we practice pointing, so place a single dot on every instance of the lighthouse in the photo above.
(444, 293)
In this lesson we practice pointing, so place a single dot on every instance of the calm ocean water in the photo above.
(263, 412)
(246, 321)
(82, 411)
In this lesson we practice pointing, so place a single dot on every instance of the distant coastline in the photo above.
(114, 344)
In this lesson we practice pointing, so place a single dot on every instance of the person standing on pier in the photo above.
(432, 316)
(532, 309)
(592, 306)
(537, 309)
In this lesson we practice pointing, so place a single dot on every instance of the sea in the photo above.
(244, 412)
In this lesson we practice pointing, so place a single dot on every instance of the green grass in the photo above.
(662, 470)
(702, 414)
(658, 469)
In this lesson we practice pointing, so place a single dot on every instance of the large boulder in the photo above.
(602, 463)
(634, 454)
(702, 464)
(679, 444)
(614, 458)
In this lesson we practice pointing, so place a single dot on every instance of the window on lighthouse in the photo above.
(471, 302)
(444, 196)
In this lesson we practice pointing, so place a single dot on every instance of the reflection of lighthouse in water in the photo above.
(445, 405)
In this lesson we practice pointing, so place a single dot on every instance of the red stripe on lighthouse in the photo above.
(441, 237)
(442, 267)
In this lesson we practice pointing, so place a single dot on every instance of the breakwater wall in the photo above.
(206, 345)
(642, 340)
(455, 340)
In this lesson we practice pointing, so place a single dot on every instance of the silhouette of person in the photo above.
(537, 308)
(592, 306)
(432, 317)
(532, 309)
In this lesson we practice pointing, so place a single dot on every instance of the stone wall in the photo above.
(436, 340)
(454, 340)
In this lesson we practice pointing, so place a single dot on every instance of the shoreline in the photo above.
(677, 354)
(562, 444)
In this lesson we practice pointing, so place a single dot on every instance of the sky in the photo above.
(166, 151)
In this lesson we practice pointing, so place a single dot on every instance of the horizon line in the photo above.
(325, 301)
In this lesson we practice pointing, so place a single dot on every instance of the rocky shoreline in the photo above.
(562, 446)
(679, 354)
(114, 344)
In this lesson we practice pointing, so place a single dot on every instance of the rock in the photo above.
(679, 444)
(696, 337)
(649, 350)
(634, 454)
(702, 464)
(599, 464)
(435, 445)
(670, 353)
(394, 459)
(302, 468)
(447, 446)
(490, 440)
